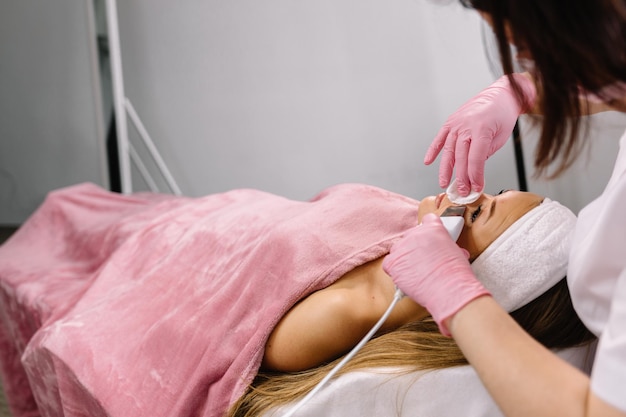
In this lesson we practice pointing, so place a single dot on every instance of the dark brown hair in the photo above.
(574, 44)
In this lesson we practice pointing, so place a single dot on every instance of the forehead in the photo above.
(522, 202)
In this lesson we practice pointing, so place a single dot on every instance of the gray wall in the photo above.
(291, 97)
(586, 179)
(51, 132)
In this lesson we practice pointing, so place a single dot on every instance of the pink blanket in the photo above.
(157, 305)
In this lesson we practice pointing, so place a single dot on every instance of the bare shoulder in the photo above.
(329, 322)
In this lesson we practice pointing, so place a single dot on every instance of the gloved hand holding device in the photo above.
(477, 130)
(428, 266)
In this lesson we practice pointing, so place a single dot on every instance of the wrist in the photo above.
(465, 294)
(449, 323)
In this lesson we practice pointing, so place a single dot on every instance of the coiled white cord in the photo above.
(396, 297)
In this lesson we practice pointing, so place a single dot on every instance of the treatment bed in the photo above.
(155, 305)
(448, 392)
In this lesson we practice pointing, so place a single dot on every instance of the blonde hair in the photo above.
(417, 346)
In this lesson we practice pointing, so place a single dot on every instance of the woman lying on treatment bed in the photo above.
(144, 304)
(332, 320)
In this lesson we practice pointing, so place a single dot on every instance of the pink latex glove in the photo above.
(431, 269)
(476, 131)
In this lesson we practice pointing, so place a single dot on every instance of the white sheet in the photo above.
(442, 393)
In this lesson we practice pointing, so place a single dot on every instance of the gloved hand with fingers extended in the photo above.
(430, 268)
(477, 130)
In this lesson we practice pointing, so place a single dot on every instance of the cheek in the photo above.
(427, 205)
(473, 240)
(466, 241)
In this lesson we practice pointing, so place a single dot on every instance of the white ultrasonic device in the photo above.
(453, 220)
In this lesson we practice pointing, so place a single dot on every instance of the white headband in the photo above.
(529, 257)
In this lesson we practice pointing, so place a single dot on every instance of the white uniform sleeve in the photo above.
(608, 377)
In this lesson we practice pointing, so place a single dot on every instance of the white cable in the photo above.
(396, 297)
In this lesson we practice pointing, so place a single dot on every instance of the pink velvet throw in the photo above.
(155, 305)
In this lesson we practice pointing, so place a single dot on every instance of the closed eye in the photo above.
(476, 213)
